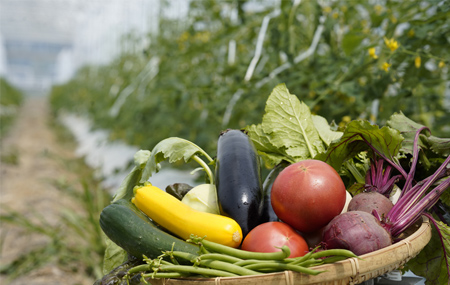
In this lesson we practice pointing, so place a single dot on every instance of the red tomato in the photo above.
(308, 194)
(268, 236)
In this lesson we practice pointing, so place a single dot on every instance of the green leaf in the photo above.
(326, 134)
(114, 256)
(445, 198)
(357, 137)
(141, 157)
(431, 19)
(289, 124)
(439, 145)
(351, 41)
(356, 188)
(408, 129)
(125, 190)
(430, 262)
(174, 149)
(270, 154)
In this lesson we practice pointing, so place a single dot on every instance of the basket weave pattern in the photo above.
(349, 271)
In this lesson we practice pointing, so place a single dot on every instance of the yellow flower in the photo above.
(202, 36)
(362, 81)
(378, 9)
(183, 37)
(391, 44)
(372, 53)
(385, 66)
(326, 10)
(346, 119)
(441, 64)
(411, 33)
(417, 61)
(393, 19)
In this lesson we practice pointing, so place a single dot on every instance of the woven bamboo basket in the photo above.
(349, 271)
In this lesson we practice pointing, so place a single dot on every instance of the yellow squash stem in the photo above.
(182, 220)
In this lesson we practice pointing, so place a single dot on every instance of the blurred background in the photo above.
(45, 42)
(123, 75)
(139, 65)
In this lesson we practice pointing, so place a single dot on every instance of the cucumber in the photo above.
(130, 229)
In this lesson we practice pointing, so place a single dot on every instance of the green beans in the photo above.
(247, 262)
(215, 260)
(196, 270)
(222, 257)
(333, 252)
(164, 275)
(277, 266)
(243, 254)
(217, 264)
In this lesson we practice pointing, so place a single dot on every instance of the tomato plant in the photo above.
(308, 194)
(268, 237)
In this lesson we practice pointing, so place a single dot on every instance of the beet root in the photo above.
(369, 201)
(357, 231)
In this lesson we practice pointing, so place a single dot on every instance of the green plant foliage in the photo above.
(77, 243)
(345, 60)
(10, 100)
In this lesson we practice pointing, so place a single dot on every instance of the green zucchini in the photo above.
(130, 229)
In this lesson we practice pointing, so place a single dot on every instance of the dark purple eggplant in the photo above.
(268, 214)
(238, 179)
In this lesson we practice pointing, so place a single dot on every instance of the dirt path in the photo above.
(26, 187)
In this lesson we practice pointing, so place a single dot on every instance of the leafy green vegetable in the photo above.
(430, 261)
(288, 130)
(290, 124)
(125, 190)
(174, 149)
(445, 198)
(325, 132)
(271, 154)
(385, 141)
(114, 256)
(408, 128)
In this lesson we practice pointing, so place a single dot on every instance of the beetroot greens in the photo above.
(419, 194)
(379, 179)
(416, 199)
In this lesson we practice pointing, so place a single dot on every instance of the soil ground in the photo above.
(26, 187)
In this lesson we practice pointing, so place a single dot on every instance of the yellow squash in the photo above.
(182, 220)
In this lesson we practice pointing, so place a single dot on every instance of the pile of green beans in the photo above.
(216, 260)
